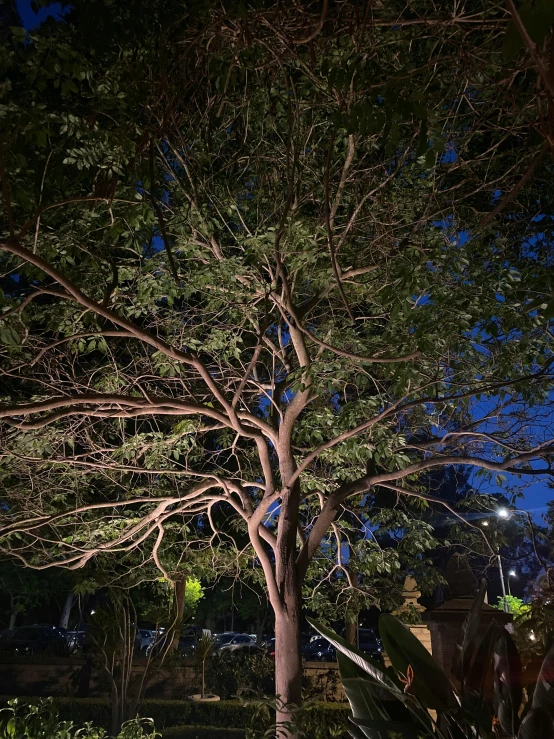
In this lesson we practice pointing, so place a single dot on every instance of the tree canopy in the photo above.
(275, 262)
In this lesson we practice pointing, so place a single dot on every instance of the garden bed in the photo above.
(173, 716)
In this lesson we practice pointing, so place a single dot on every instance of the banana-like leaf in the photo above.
(508, 689)
(373, 668)
(407, 653)
(356, 733)
(371, 703)
(543, 697)
(537, 725)
(362, 692)
(465, 646)
(476, 673)
(384, 729)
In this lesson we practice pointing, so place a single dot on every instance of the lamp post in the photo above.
(506, 513)
(511, 573)
(503, 584)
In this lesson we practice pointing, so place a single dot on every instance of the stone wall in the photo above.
(65, 677)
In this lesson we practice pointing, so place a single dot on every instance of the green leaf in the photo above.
(537, 17)
(404, 650)
(543, 697)
(388, 729)
(465, 645)
(537, 724)
(373, 668)
(476, 675)
(20, 34)
(360, 691)
(429, 158)
(508, 690)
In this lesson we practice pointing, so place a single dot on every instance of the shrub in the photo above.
(236, 674)
(318, 719)
(202, 732)
(24, 720)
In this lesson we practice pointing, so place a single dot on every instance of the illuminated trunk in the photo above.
(351, 635)
(288, 662)
(66, 611)
(179, 611)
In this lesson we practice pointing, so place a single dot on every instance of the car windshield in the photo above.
(318, 644)
(367, 636)
(28, 633)
(223, 638)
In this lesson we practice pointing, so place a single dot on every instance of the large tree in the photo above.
(265, 263)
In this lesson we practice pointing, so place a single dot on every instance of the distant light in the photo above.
(532, 637)
(485, 523)
(503, 513)
(512, 573)
(92, 612)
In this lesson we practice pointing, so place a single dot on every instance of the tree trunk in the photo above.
(260, 625)
(179, 610)
(66, 611)
(288, 663)
(14, 610)
(351, 635)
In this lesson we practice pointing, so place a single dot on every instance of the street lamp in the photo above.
(511, 573)
(505, 513)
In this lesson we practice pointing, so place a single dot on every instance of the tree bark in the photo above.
(179, 609)
(13, 616)
(352, 631)
(66, 611)
(288, 663)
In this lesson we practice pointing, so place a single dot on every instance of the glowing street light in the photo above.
(512, 573)
(503, 513)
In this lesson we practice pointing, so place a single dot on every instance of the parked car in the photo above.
(269, 646)
(35, 639)
(143, 639)
(157, 642)
(319, 650)
(187, 645)
(369, 643)
(232, 642)
(244, 649)
(78, 640)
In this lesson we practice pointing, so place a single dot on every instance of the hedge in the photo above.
(202, 732)
(179, 714)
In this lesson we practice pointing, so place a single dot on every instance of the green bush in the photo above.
(232, 715)
(40, 720)
(236, 674)
(202, 732)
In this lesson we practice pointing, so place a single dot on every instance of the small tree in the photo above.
(204, 648)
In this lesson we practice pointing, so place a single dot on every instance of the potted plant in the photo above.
(204, 647)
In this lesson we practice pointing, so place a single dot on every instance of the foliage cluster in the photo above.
(170, 714)
(416, 698)
(23, 720)
(257, 285)
(247, 676)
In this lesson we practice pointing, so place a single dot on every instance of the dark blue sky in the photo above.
(32, 20)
